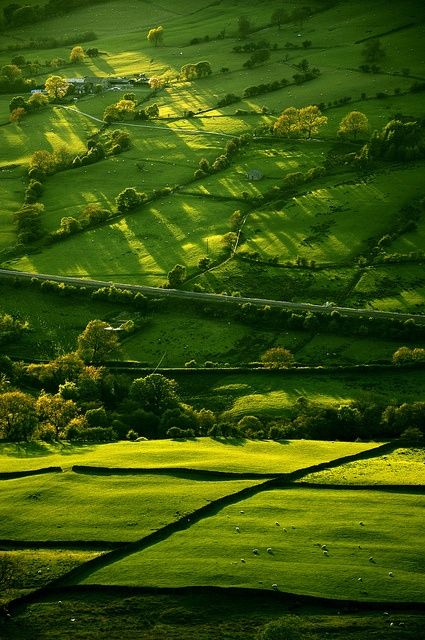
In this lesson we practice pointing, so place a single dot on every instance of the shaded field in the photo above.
(296, 562)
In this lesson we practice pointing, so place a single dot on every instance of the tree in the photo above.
(155, 35)
(287, 123)
(97, 342)
(277, 358)
(18, 417)
(176, 276)
(355, 123)
(125, 107)
(311, 119)
(279, 16)
(154, 393)
(11, 72)
(17, 101)
(156, 83)
(56, 87)
(37, 101)
(56, 410)
(373, 51)
(129, 199)
(17, 114)
(244, 27)
(76, 55)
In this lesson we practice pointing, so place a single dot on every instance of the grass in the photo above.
(70, 507)
(196, 616)
(205, 454)
(297, 563)
(402, 466)
(38, 567)
(392, 287)
(274, 396)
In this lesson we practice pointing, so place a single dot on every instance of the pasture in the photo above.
(214, 552)
(402, 467)
(203, 454)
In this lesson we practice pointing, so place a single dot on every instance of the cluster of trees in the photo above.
(223, 160)
(12, 79)
(194, 71)
(408, 356)
(129, 199)
(28, 221)
(249, 47)
(16, 15)
(126, 109)
(19, 107)
(398, 140)
(12, 328)
(257, 57)
(295, 122)
(83, 401)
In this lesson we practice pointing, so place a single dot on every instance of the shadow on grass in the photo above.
(41, 449)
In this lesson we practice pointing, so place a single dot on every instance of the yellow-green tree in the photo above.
(304, 121)
(37, 101)
(156, 83)
(155, 35)
(277, 358)
(311, 119)
(287, 123)
(56, 87)
(17, 114)
(97, 342)
(76, 55)
(354, 124)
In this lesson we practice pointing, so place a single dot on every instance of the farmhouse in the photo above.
(253, 175)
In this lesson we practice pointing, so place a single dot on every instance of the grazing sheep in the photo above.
(277, 524)
(237, 530)
(325, 553)
(274, 587)
(269, 550)
(242, 560)
(255, 552)
(241, 511)
(324, 547)
(361, 524)
(360, 579)
(390, 573)
(285, 530)
(371, 559)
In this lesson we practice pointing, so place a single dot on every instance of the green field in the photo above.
(349, 233)
(72, 507)
(296, 562)
(402, 466)
(205, 454)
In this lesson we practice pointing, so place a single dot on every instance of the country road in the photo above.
(215, 297)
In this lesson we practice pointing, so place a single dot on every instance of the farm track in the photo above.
(68, 580)
(214, 297)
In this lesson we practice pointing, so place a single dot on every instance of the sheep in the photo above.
(243, 560)
(277, 524)
(361, 524)
(237, 530)
(241, 511)
(274, 587)
(324, 547)
(255, 552)
(269, 550)
(390, 573)
(371, 559)
(325, 553)
(285, 530)
(360, 579)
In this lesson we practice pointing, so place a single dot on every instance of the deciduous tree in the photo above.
(97, 342)
(76, 55)
(56, 87)
(155, 35)
(154, 393)
(18, 416)
(354, 124)
(277, 358)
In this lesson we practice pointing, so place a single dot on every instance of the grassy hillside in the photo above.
(206, 454)
(290, 523)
